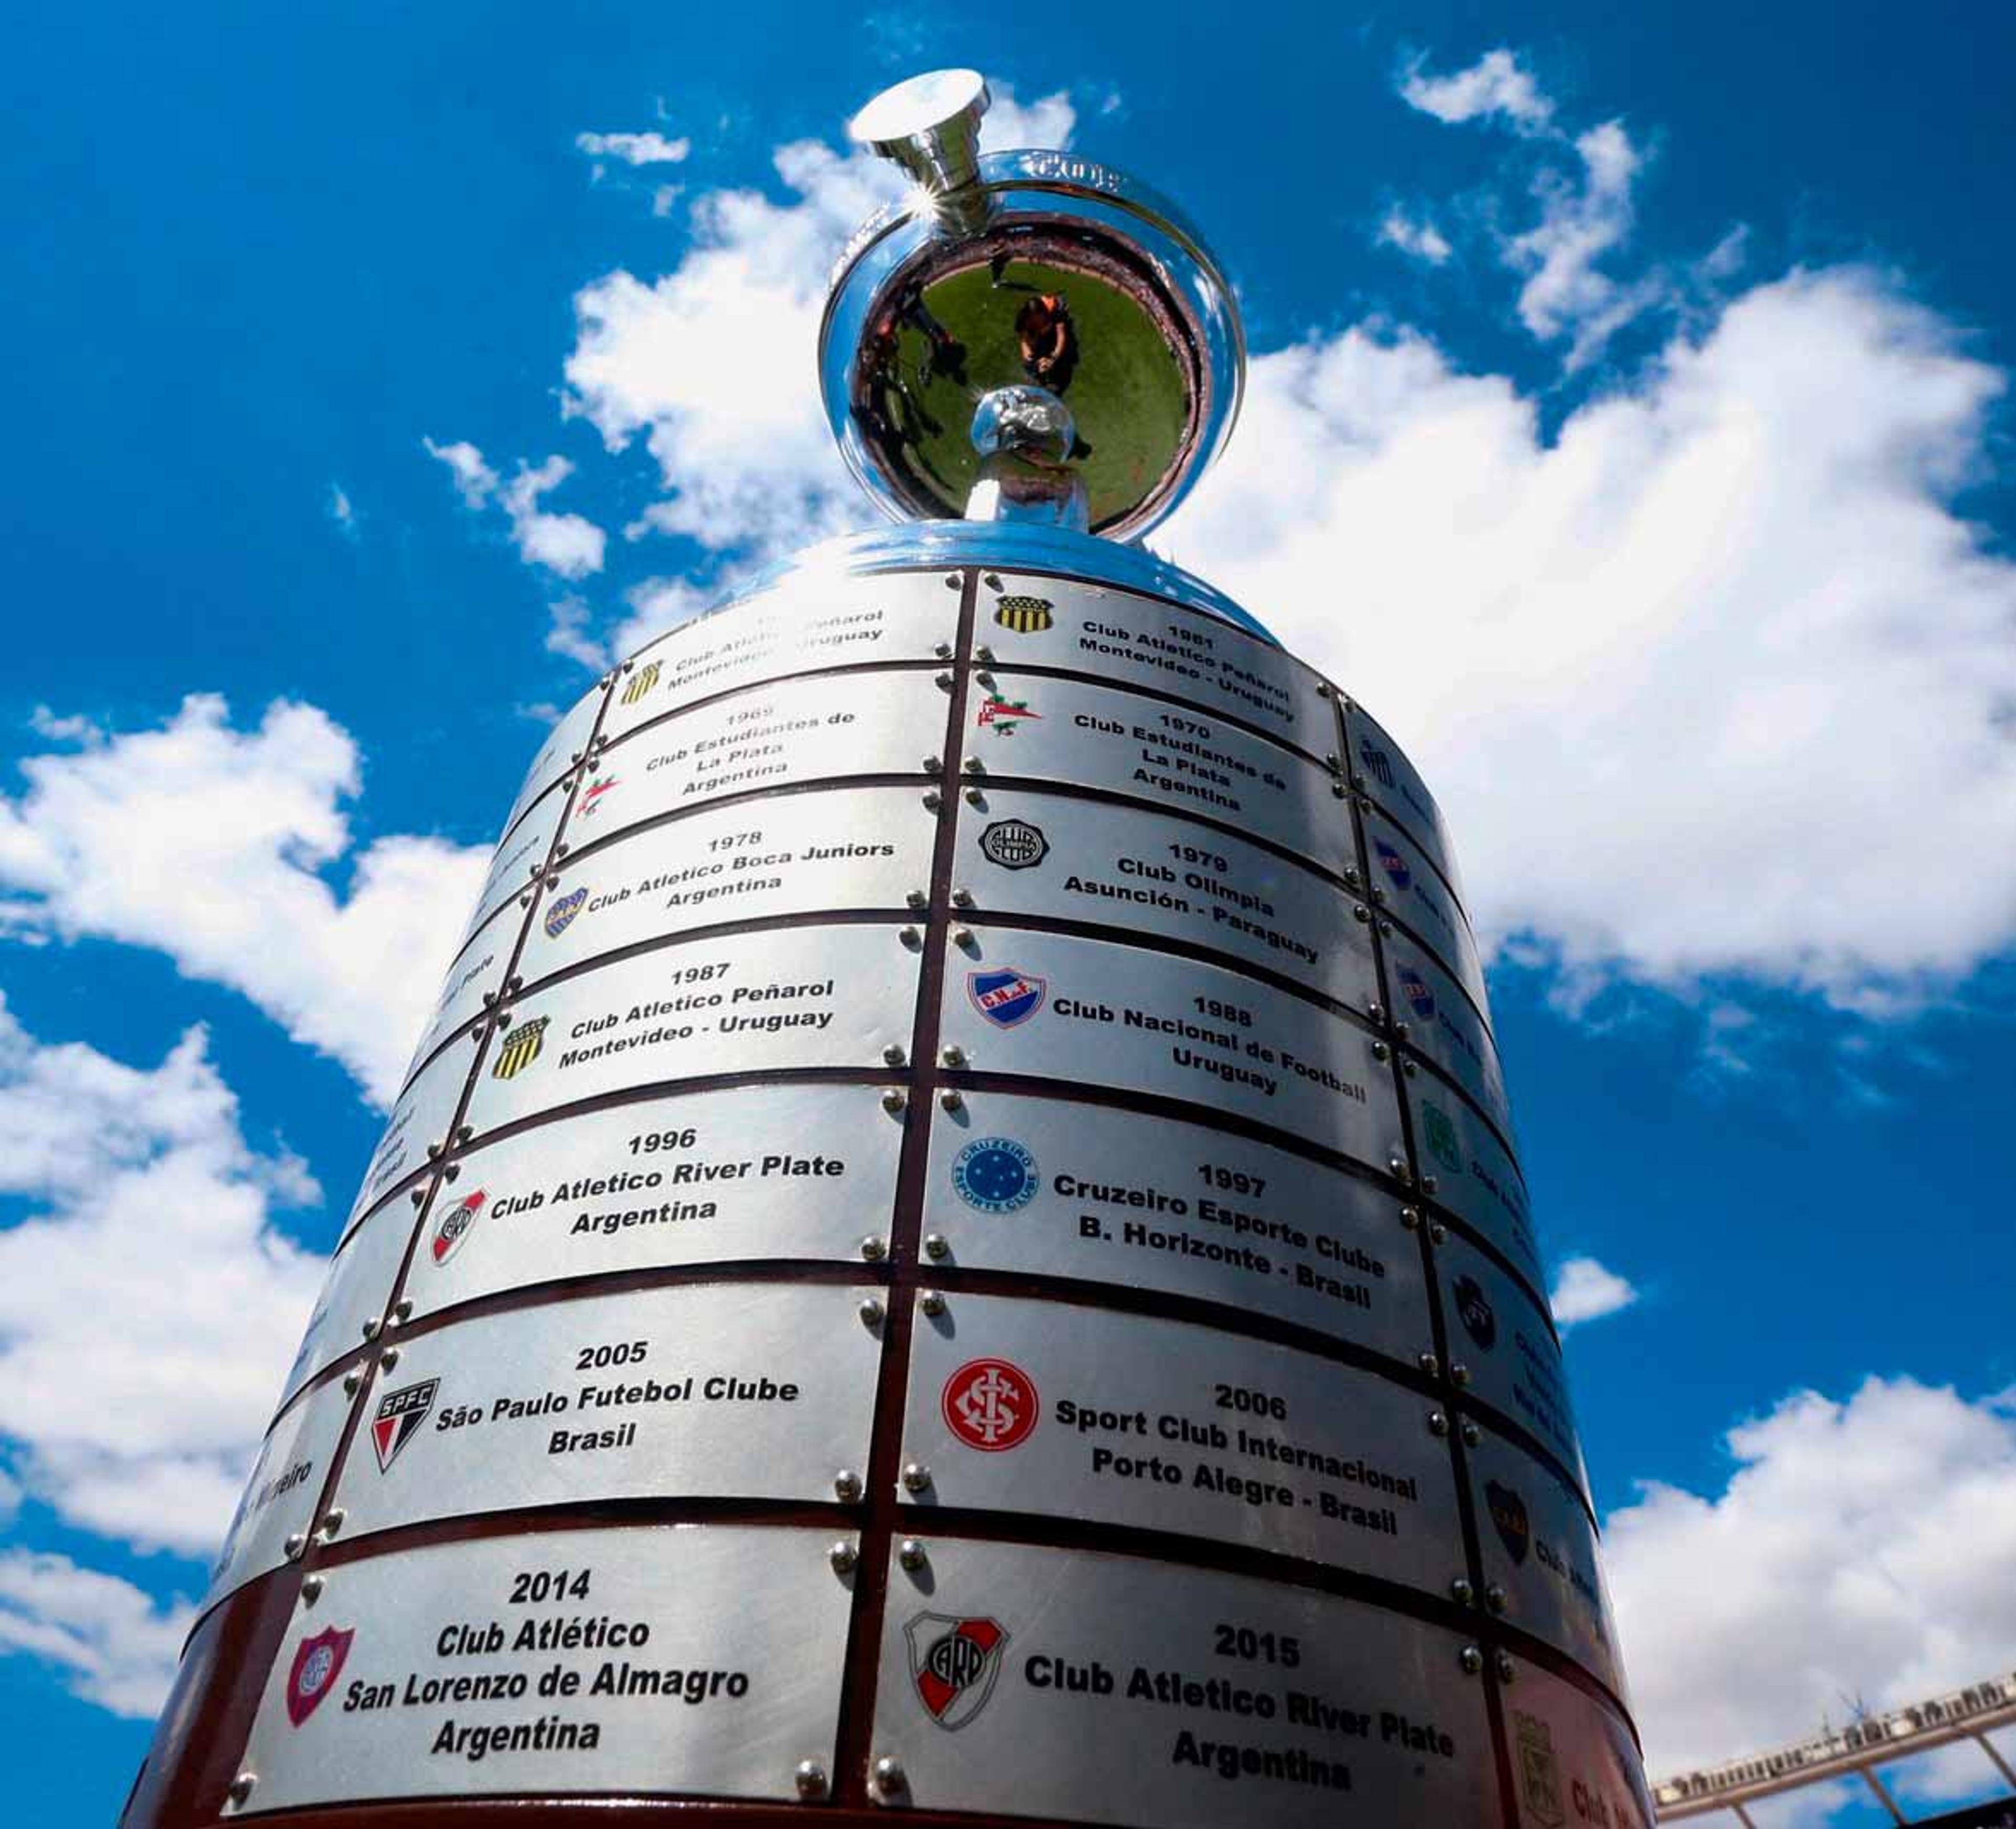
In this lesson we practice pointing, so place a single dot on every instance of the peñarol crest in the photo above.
(641, 682)
(1024, 615)
(520, 1048)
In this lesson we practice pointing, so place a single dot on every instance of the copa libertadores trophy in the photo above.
(954, 1243)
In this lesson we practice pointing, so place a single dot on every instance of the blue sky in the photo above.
(1636, 383)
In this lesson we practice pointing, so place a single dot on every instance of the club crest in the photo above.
(991, 1405)
(399, 1416)
(453, 1226)
(590, 802)
(1378, 764)
(995, 1175)
(1540, 1771)
(953, 1664)
(561, 911)
(1508, 1514)
(1420, 994)
(1393, 864)
(1473, 1308)
(520, 1048)
(318, 1662)
(1004, 716)
(1439, 1132)
(1024, 615)
(1014, 844)
(1005, 997)
(641, 682)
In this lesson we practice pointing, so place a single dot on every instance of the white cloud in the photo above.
(342, 510)
(1586, 1290)
(209, 844)
(634, 149)
(1860, 1549)
(148, 1306)
(569, 545)
(1496, 86)
(1715, 681)
(1415, 235)
(115, 1645)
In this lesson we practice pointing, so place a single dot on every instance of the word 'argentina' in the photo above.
(690, 1003)
(1249, 1060)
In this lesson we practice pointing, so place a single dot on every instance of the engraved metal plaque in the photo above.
(358, 1285)
(521, 851)
(690, 1658)
(1421, 900)
(745, 1391)
(1443, 1027)
(1045, 853)
(1082, 1011)
(1055, 1684)
(420, 1117)
(1062, 1411)
(1498, 1332)
(1047, 730)
(769, 1172)
(279, 1499)
(1035, 621)
(1540, 1551)
(478, 971)
(795, 854)
(832, 996)
(810, 620)
(1465, 1166)
(1379, 768)
(568, 739)
(1573, 1760)
(1058, 1189)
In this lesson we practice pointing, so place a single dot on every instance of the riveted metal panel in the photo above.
(1443, 1027)
(1379, 768)
(568, 739)
(356, 1291)
(1413, 894)
(279, 1499)
(520, 855)
(1465, 1166)
(420, 1119)
(1573, 1760)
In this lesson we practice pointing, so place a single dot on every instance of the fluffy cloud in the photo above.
(148, 1305)
(569, 545)
(1862, 1549)
(1415, 235)
(114, 1645)
(1496, 87)
(1716, 680)
(1586, 1290)
(208, 843)
(634, 149)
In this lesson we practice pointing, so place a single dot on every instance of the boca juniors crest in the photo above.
(317, 1663)
(520, 1048)
(454, 1226)
(953, 1664)
(1024, 615)
(1508, 1514)
(1006, 997)
(561, 911)
(401, 1414)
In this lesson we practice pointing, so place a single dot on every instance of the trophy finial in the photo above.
(1037, 337)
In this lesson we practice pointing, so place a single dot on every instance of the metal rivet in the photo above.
(932, 765)
(870, 1311)
(943, 650)
(433, 1152)
(917, 898)
(1471, 1435)
(950, 1099)
(1381, 1052)
(1429, 1363)
(1494, 1598)
(810, 1778)
(463, 1132)
(294, 1546)
(843, 1555)
(953, 1056)
(963, 936)
(1396, 1165)
(973, 765)
(1331, 762)
(452, 1171)
(916, 1476)
(945, 683)
(389, 1358)
(932, 800)
(525, 901)
(1459, 1373)
(1352, 878)
(1357, 778)
(552, 882)
(1338, 791)
(562, 850)
(984, 654)
(1375, 1011)
(846, 1486)
(1359, 911)
(962, 898)
(910, 1553)
(311, 1590)
(402, 1310)
(1437, 1232)
(1410, 1218)
(1378, 896)
(935, 1245)
(1472, 1659)
(1461, 1591)
(1322, 690)
(932, 1301)
(1408, 1068)
(893, 1055)
(874, 1249)
(370, 1328)
(241, 1786)
(893, 1100)
(1438, 1423)
(350, 1381)
(1429, 1183)
(910, 936)
(1401, 1032)
(975, 798)
(1506, 1668)
(953, 580)
(889, 1774)
(1385, 927)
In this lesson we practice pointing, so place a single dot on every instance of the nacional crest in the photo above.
(991, 1405)
(1439, 1133)
(317, 1663)
(1024, 615)
(1540, 1771)
(1420, 994)
(641, 682)
(1014, 844)
(1377, 763)
(1393, 864)
(1508, 1514)
(453, 1226)
(400, 1415)
(953, 1664)
(1004, 716)
(522, 1043)
(591, 801)
(1479, 1320)
(561, 911)
(1005, 997)
(995, 1175)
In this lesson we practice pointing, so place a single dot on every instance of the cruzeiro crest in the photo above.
(401, 1414)
(953, 1664)
(561, 911)
(318, 1662)
(1508, 1514)
(1539, 1772)
(1024, 615)
(520, 1048)
(996, 1175)
(641, 682)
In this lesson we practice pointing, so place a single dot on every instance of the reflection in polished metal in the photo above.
(1573, 1761)
(278, 1506)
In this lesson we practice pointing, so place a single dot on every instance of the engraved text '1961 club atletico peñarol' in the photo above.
(955, 1242)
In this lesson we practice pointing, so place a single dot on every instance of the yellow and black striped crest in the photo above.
(1024, 615)
(520, 1048)
(641, 682)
